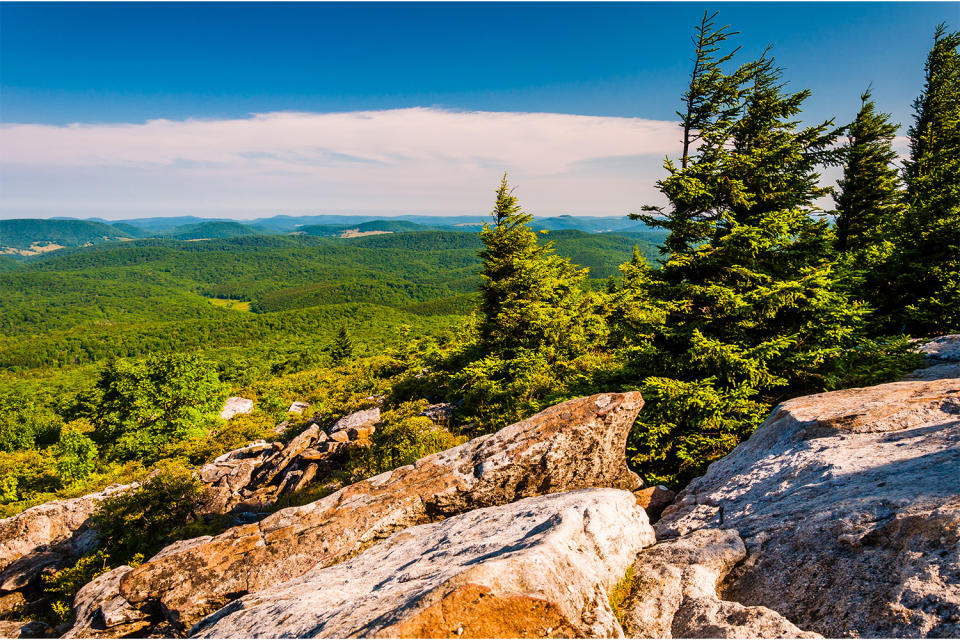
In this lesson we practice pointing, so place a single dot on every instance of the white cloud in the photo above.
(380, 162)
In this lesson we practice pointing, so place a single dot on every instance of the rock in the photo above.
(362, 433)
(340, 436)
(99, 608)
(11, 629)
(849, 505)
(276, 465)
(281, 428)
(11, 603)
(356, 420)
(654, 500)
(298, 407)
(236, 406)
(541, 566)
(942, 359)
(673, 593)
(47, 535)
(574, 445)
(944, 348)
(440, 414)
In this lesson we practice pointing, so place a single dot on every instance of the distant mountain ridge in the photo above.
(23, 238)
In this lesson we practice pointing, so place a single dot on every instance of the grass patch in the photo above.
(233, 305)
(620, 592)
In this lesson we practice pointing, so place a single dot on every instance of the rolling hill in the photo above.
(25, 237)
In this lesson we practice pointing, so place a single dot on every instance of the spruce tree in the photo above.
(926, 296)
(536, 324)
(870, 201)
(342, 347)
(531, 298)
(751, 307)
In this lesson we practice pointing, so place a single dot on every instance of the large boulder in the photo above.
(542, 566)
(574, 445)
(849, 507)
(235, 406)
(47, 535)
(672, 593)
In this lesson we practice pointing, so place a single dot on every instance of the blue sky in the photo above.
(625, 63)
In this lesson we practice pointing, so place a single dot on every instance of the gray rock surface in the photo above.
(673, 593)
(99, 607)
(574, 445)
(356, 420)
(236, 406)
(47, 535)
(849, 505)
(541, 566)
(941, 359)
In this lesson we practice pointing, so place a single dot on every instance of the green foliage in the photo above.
(342, 347)
(925, 293)
(63, 585)
(870, 204)
(76, 452)
(144, 406)
(747, 309)
(22, 234)
(620, 592)
(401, 438)
(142, 521)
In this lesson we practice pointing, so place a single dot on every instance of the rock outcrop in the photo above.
(849, 507)
(235, 406)
(942, 359)
(47, 535)
(574, 445)
(539, 567)
(672, 593)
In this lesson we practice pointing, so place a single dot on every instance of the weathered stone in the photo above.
(340, 436)
(542, 566)
(944, 348)
(361, 433)
(654, 500)
(236, 406)
(12, 603)
(574, 445)
(47, 535)
(849, 505)
(100, 610)
(440, 414)
(11, 629)
(278, 464)
(673, 593)
(357, 419)
(298, 407)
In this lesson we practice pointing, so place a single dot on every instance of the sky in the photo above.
(244, 110)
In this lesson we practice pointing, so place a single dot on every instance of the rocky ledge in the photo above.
(574, 445)
(840, 516)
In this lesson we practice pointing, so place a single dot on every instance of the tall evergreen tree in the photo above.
(531, 298)
(752, 308)
(536, 323)
(870, 202)
(926, 296)
(342, 347)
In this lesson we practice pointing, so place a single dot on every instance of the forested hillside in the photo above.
(738, 293)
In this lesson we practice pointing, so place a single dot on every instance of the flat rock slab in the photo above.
(574, 445)
(540, 567)
(849, 506)
(235, 406)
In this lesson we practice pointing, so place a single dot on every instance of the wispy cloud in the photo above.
(397, 161)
